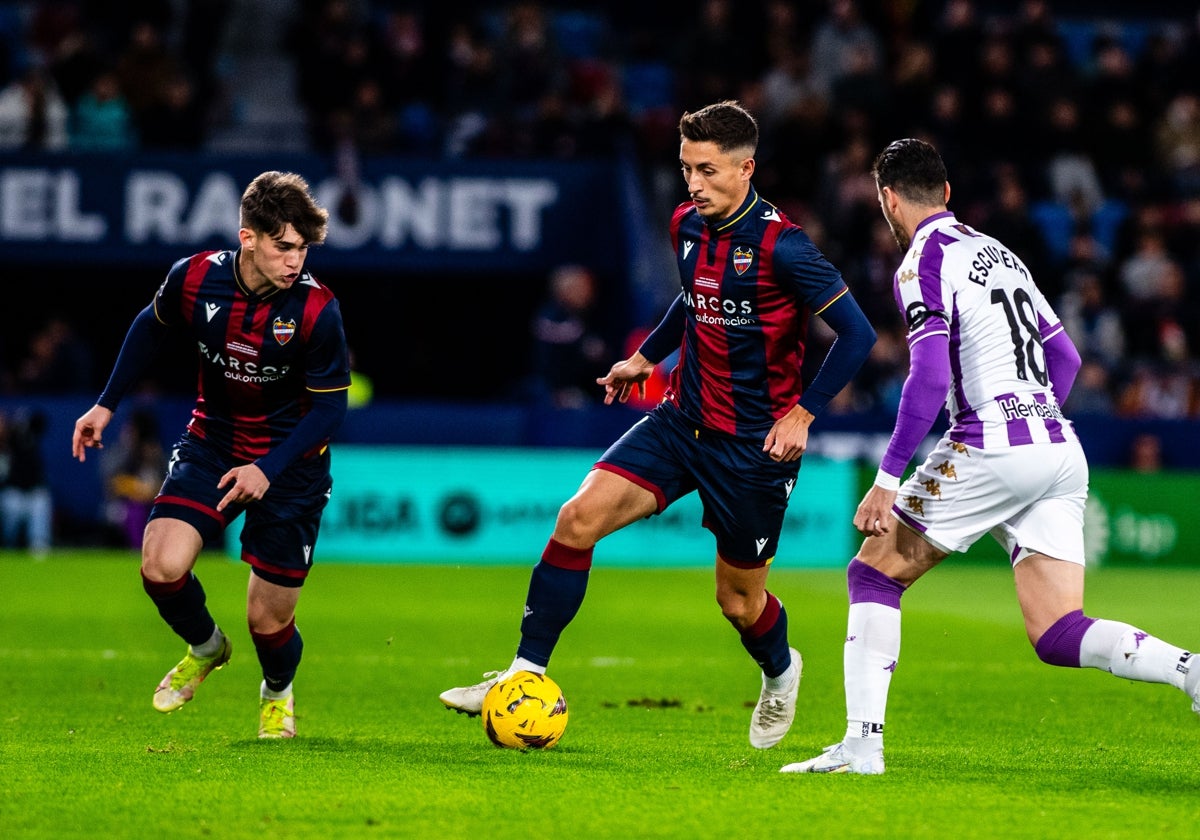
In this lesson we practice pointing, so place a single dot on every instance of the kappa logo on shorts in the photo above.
(947, 469)
(932, 487)
(742, 257)
(284, 330)
(960, 448)
(915, 504)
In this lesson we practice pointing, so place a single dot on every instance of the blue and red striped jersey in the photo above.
(750, 284)
(261, 356)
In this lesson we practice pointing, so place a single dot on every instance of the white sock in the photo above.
(781, 683)
(267, 694)
(869, 657)
(1128, 652)
(211, 646)
(522, 664)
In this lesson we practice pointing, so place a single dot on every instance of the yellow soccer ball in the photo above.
(525, 711)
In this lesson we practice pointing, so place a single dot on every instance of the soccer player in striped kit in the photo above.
(734, 423)
(984, 342)
(274, 372)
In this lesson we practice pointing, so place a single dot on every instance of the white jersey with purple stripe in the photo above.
(958, 282)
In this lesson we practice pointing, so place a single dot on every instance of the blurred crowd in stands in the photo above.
(1072, 137)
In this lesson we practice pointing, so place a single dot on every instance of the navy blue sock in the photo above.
(181, 604)
(556, 589)
(279, 655)
(767, 640)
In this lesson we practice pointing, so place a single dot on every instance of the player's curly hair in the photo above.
(274, 200)
(727, 124)
(912, 168)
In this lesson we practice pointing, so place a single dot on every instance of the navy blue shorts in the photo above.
(743, 492)
(280, 530)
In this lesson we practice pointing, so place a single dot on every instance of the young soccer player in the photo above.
(734, 423)
(274, 372)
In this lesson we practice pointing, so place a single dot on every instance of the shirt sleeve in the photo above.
(327, 378)
(855, 338)
(327, 359)
(324, 417)
(141, 345)
(668, 335)
(922, 397)
(799, 262)
(1062, 363)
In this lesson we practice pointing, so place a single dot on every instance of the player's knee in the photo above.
(578, 523)
(264, 620)
(156, 566)
(736, 607)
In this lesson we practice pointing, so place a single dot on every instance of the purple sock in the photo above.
(870, 584)
(1061, 643)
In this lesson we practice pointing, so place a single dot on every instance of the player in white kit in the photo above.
(984, 343)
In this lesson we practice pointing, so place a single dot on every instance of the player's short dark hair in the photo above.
(274, 200)
(913, 169)
(727, 124)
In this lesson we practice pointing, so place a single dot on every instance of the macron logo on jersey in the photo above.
(771, 215)
(211, 309)
(687, 248)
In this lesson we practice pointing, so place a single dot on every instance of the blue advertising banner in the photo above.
(498, 505)
(400, 214)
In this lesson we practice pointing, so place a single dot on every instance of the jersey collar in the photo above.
(241, 283)
(932, 220)
(739, 214)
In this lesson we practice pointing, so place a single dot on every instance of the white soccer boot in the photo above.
(775, 711)
(468, 699)
(837, 759)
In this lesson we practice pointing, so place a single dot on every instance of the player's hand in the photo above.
(874, 515)
(788, 438)
(89, 429)
(249, 485)
(625, 378)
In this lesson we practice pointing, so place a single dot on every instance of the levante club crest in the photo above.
(284, 330)
(742, 257)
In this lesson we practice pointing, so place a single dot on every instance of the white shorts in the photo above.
(1030, 498)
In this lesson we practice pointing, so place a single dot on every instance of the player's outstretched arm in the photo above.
(89, 431)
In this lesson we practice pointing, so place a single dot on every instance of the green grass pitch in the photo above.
(983, 740)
